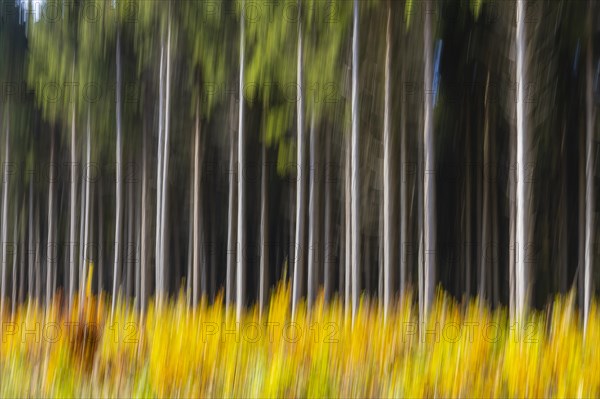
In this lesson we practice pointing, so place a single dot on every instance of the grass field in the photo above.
(463, 350)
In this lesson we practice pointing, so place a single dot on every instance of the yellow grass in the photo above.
(463, 350)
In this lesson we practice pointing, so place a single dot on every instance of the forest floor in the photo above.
(178, 351)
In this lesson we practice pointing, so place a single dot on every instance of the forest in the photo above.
(357, 153)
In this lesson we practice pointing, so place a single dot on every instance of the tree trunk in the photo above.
(348, 231)
(485, 240)
(404, 214)
(50, 254)
(159, 177)
(119, 156)
(231, 221)
(328, 247)
(144, 224)
(4, 236)
(196, 216)
(73, 206)
(313, 214)
(241, 235)
(429, 189)
(165, 166)
(15, 246)
(86, 241)
(264, 234)
(589, 174)
(100, 238)
(356, 242)
(387, 169)
(299, 246)
(31, 247)
(522, 210)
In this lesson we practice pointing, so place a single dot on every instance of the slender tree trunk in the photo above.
(589, 173)
(50, 254)
(195, 233)
(100, 238)
(429, 189)
(31, 246)
(22, 256)
(348, 231)
(4, 236)
(313, 214)
(144, 226)
(485, 241)
(130, 247)
(37, 258)
(264, 233)
(15, 246)
(119, 156)
(301, 178)
(522, 210)
(356, 242)
(241, 235)
(159, 173)
(387, 169)
(231, 223)
(86, 242)
(165, 165)
(73, 206)
(80, 223)
(329, 247)
(404, 231)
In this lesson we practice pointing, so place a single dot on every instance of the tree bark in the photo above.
(73, 206)
(589, 174)
(356, 242)
(313, 214)
(429, 193)
(264, 234)
(165, 165)
(196, 216)
(119, 156)
(387, 169)
(299, 245)
(521, 273)
(241, 235)
(4, 236)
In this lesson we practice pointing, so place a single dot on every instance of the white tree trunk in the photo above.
(485, 233)
(348, 231)
(196, 216)
(84, 265)
(50, 254)
(31, 247)
(356, 250)
(119, 156)
(165, 165)
(144, 224)
(231, 226)
(300, 206)
(313, 215)
(264, 233)
(589, 175)
(73, 206)
(159, 173)
(522, 208)
(387, 168)
(241, 235)
(429, 194)
(404, 238)
(4, 237)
